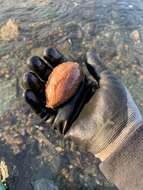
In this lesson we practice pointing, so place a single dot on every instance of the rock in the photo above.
(44, 184)
(90, 29)
(58, 149)
(13, 140)
(63, 83)
(9, 31)
(3, 171)
(74, 31)
(37, 51)
(13, 120)
(135, 35)
(75, 36)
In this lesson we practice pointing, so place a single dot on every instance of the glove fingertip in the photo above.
(94, 61)
(53, 56)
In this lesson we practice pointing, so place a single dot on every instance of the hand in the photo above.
(101, 120)
(34, 81)
(107, 114)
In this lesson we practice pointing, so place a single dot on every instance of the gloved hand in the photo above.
(34, 81)
(109, 111)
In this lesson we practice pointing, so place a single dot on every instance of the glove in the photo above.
(110, 110)
(98, 112)
(34, 81)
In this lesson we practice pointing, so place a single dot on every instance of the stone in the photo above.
(9, 31)
(135, 35)
(63, 83)
(44, 184)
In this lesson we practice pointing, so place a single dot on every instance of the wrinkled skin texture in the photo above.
(103, 110)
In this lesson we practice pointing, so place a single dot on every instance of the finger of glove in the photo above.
(65, 115)
(86, 96)
(54, 57)
(40, 67)
(37, 105)
(31, 81)
(92, 80)
(95, 63)
(107, 78)
(76, 131)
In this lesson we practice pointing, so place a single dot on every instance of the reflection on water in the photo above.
(114, 28)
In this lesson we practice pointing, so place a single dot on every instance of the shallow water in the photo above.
(114, 28)
(74, 27)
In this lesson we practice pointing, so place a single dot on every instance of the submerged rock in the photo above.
(135, 35)
(44, 184)
(9, 31)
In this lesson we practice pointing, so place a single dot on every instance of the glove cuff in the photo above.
(112, 147)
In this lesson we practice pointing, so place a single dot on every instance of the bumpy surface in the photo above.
(63, 83)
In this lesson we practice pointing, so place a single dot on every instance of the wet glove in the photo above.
(34, 80)
(102, 117)
(110, 111)
(103, 110)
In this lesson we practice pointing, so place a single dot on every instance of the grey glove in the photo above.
(109, 111)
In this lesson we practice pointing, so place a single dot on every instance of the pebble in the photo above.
(13, 140)
(126, 46)
(135, 35)
(9, 31)
(44, 184)
(58, 149)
